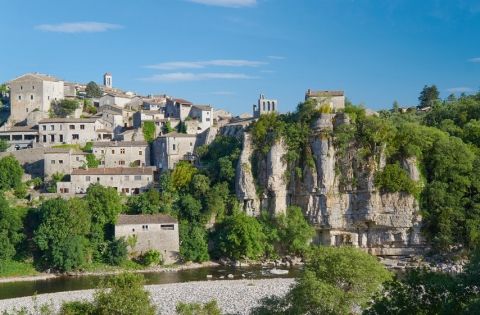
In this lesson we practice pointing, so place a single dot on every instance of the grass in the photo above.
(11, 268)
(68, 146)
(102, 267)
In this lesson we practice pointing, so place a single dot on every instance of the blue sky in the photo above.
(226, 52)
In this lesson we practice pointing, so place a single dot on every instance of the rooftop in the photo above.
(44, 77)
(63, 150)
(181, 101)
(125, 219)
(176, 134)
(312, 93)
(120, 144)
(21, 129)
(203, 107)
(67, 120)
(114, 171)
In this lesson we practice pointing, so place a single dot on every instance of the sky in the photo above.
(227, 52)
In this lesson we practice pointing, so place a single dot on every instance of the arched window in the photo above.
(268, 103)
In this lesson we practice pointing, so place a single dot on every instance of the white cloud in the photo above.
(188, 76)
(227, 3)
(461, 89)
(276, 57)
(477, 59)
(202, 64)
(78, 27)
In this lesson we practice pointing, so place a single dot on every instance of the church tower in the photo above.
(107, 80)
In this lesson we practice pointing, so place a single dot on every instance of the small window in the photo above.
(72, 127)
(121, 162)
(26, 109)
(140, 153)
(167, 227)
(127, 177)
(33, 87)
(122, 151)
(138, 177)
(19, 97)
(78, 158)
(52, 127)
(44, 127)
(82, 127)
(101, 151)
(87, 178)
(75, 136)
(52, 162)
(60, 161)
(174, 147)
(31, 97)
(145, 227)
(21, 87)
(113, 151)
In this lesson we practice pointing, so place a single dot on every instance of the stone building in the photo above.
(204, 115)
(20, 137)
(264, 106)
(172, 148)
(33, 92)
(54, 131)
(335, 99)
(62, 160)
(107, 80)
(151, 232)
(122, 153)
(115, 98)
(126, 180)
(178, 108)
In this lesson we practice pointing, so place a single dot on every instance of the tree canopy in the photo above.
(93, 90)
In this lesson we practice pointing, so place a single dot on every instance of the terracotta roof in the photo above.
(125, 219)
(68, 120)
(114, 171)
(178, 135)
(181, 101)
(324, 93)
(120, 144)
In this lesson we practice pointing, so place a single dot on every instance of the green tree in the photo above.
(151, 257)
(11, 173)
(209, 308)
(11, 229)
(295, 232)
(167, 128)
(64, 107)
(393, 178)
(61, 234)
(182, 175)
(429, 96)
(149, 202)
(182, 127)
(4, 145)
(193, 242)
(116, 252)
(92, 161)
(240, 237)
(335, 280)
(148, 129)
(93, 90)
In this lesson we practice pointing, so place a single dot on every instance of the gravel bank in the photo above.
(233, 296)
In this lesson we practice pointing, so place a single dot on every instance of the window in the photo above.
(44, 127)
(77, 158)
(82, 127)
(21, 87)
(207, 119)
(52, 162)
(26, 109)
(113, 151)
(44, 138)
(140, 153)
(87, 178)
(167, 227)
(75, 136)
(64, 190)
(52, 127)
(52, 138)
(31, 97)
(137, 177)
(191, 144)
(48, 97)
(145, 227)
(101, 151)
(61, 138)
(127, 177)
(122, 151)
(60, 161)
(33, 87)
(174, 146)
(72, 127)
(111, 177)
(121, 162)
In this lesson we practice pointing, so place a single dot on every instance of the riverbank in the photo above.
(169, 268)
(233, 296)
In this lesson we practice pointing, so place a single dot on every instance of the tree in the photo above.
(193, 242)
(240, 237)
(151, 257)
(65, 107)
(429, 96)
(92, 161)
(167, 128)
(182, 127)
(11, 173)
(61, 234)
(182, 175)
(4, 145)
(209, 308)
(190, 208)
(335, 280)
(295, 232)
(393, 178)
(116, 252)
(92, 90)
(148, 129)
(104, 204)
(11, 230)
(148, 202)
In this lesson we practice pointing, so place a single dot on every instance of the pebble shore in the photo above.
(233, 296)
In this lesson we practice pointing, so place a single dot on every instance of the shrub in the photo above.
(393, 178)
(148, 129)
(151, 257)
(116, 252)
(209, 308)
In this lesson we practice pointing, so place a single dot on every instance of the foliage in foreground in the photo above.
(210, 308)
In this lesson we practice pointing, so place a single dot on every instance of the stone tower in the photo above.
(107, 80)
(264, 106)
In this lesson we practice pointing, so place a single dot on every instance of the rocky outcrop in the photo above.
(336, 192)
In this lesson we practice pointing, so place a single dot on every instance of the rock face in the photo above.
(336, 192)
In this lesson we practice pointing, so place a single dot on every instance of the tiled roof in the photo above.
(68, 120)
(120, 144)
(178, 135)
(114, 171)
(21, 129)
(125, 219)
(182, 101)
(40, 76)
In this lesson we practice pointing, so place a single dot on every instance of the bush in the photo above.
(393, 178)
(151, 257)
(148, 129)
(116, 252)
(64, 107)
(210, 308)
(193, 242)
(77, 308)
(11, 173)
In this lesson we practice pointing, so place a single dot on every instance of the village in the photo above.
(117, 139)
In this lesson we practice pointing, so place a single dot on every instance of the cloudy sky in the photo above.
(226, 52)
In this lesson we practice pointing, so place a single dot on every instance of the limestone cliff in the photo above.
(337, 193)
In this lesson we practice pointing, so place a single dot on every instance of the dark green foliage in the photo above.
(428, 96)
(3, 145)
(167, 128)
(88, 107)
(240, 237)
(193, 242)
(151, 257)
(11, 229)
(182, 127)
(92, 161)
(393, 178)
(209, 308)
(295, 232)
(116, 252)
(93, 90)
(148, 129)
(11, 173)
(334, 281)
(149, 202)
(88, 147)
(190, 208)
(77, 308)
(61, 236)
(64, 107)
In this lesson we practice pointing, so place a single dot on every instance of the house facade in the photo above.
(33, 92)
(178, 108)
(334, 99)
(54, 131)
(122, 153)
(151, 232)
(172, 148)
(204, 115)
(126, 180)
(62, 160)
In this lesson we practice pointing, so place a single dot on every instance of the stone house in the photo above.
(151, 232)
(20, 137)
(172, 148)
(31, 92)
(122, 153)
(204, 115)
(146, 115)
(54, 131)
(178, 108)
(264, 106)
(335, 99)
(126, 180)
(115, 98)
(62, 160)
(156, 104)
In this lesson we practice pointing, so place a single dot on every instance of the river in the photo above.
(71, 283)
